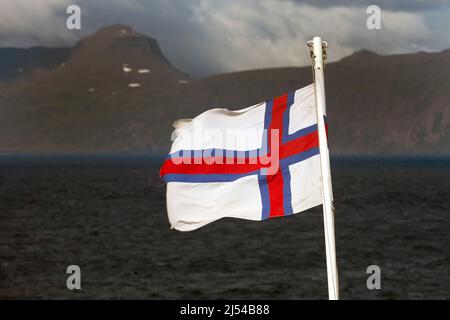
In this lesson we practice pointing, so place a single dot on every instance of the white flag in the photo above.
(256, 163)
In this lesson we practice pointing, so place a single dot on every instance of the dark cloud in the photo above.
(394, 5)
(203, 37)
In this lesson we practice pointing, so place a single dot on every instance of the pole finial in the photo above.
(318, 52)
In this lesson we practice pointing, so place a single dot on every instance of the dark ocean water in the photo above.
(107, 215)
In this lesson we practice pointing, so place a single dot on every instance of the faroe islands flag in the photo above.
(256, 163)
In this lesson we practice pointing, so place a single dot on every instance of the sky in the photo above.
(204, 37)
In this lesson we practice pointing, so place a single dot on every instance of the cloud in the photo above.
(210, 36)
(34, 22)
(391, 5)
(236, 35)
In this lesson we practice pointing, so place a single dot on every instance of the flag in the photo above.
(256, 163)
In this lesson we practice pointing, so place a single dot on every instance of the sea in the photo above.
(107, 215)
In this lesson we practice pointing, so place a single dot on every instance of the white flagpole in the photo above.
(328, 208)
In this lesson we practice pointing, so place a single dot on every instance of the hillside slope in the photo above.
(118, 93)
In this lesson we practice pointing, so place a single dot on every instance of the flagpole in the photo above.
(318, 51)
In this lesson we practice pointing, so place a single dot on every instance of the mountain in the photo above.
(18, 61)
(116, 92)
(110, 95)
